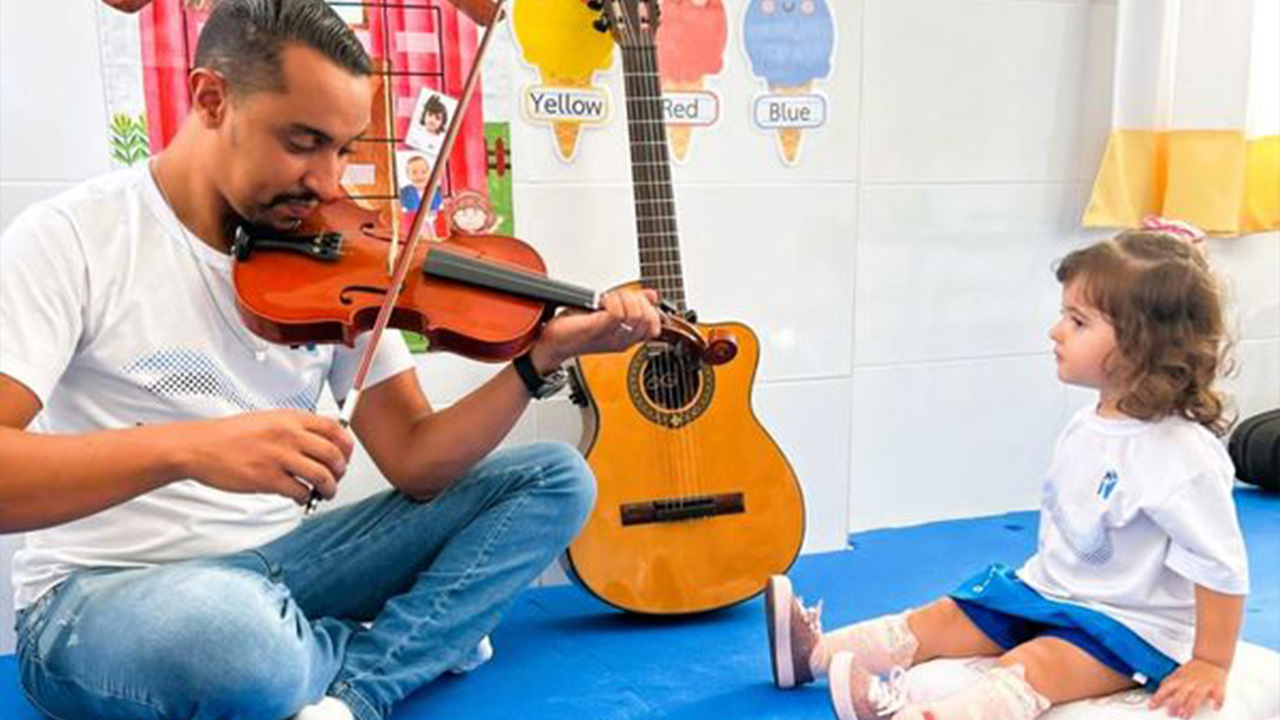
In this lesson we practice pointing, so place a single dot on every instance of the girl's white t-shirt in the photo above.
(1134, 515)
(115, 316)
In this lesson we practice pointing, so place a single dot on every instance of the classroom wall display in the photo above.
(691, 38)
(415, 44)
(790, 46)
(420, 48)
(559, 40)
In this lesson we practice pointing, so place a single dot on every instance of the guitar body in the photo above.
(660, 437)
(696, 506)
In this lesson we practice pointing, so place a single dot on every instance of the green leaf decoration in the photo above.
(129, 140)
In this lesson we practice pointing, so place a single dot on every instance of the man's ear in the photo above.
(210, 96)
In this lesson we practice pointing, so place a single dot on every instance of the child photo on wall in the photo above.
(430, 119)
(414, 169)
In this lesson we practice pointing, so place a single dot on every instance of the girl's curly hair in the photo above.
(1166, 306)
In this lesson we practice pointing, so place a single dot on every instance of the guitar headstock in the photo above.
(633, 23)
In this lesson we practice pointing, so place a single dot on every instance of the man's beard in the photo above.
(267, 216)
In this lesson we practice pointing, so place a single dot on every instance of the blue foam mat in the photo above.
(563, 655)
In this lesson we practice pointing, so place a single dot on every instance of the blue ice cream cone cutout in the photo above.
(790, 44)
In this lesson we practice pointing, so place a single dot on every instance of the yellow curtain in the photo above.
(1195, 117)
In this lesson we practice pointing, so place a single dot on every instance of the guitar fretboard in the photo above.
(651, 176)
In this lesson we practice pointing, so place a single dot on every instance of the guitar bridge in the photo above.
(683, 508)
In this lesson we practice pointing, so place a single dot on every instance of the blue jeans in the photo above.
(257, 635)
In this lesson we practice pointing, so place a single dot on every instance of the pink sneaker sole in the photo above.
(840, 688)
(777, 608)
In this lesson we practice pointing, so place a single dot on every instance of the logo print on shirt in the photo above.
(1090, 541)
(185, 373)
(1108, 484)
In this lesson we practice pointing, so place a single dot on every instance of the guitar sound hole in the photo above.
(668, 387)
(671, 382)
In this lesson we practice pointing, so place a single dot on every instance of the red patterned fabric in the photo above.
(429, 44)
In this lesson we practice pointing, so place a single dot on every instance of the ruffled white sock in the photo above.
(878, 645)
(1002, 694)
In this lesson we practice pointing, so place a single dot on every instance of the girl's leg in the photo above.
(939, 629)
(1026, 682)
(943, 630)
(1062, 672)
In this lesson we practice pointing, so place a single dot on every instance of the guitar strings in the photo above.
(655, 364)
(660, 199)
(675, 363)
(655, 367)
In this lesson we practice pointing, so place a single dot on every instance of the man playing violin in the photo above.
(157, 454)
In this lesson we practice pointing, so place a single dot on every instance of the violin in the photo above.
(481, 296)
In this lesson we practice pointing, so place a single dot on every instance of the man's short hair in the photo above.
(243, 39)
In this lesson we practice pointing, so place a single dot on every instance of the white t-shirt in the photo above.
(114, 315)
(1135, 515)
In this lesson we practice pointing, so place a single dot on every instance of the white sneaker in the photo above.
(858, 695)
(482, 654)
(329, 708)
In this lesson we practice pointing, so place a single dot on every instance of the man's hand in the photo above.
(626, 318)
(284, 452)
(1190, 687)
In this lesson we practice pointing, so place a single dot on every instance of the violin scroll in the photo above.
(717, 349)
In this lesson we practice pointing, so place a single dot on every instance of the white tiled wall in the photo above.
(899, 277)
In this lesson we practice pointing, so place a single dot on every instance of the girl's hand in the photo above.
(1188, 688)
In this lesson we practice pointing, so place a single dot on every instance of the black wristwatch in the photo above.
(539, 386)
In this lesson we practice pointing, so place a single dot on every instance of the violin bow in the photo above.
(395, 180)
(487, 14)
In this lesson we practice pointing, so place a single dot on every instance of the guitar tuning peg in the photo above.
(602, 24)
(595, 5)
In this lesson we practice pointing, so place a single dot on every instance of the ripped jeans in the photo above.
(257, 635)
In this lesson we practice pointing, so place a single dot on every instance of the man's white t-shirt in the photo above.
(115, 315)
(1135, 515)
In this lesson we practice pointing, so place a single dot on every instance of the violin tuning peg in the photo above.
(595, 5)
(602, 24)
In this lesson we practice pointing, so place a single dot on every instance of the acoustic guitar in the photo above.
(697, 506)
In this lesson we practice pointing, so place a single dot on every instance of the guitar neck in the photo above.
(660, 267)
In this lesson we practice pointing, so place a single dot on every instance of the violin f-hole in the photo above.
(346, 296)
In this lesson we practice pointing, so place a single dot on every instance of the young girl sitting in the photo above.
(1140, 574)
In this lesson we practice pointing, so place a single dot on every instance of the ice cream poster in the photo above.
(790, 45)
(691, 39)
(557, 38)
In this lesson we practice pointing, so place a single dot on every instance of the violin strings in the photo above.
(407, 253)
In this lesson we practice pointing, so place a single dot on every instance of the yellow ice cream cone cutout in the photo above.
(567, 131)
(557, 38)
